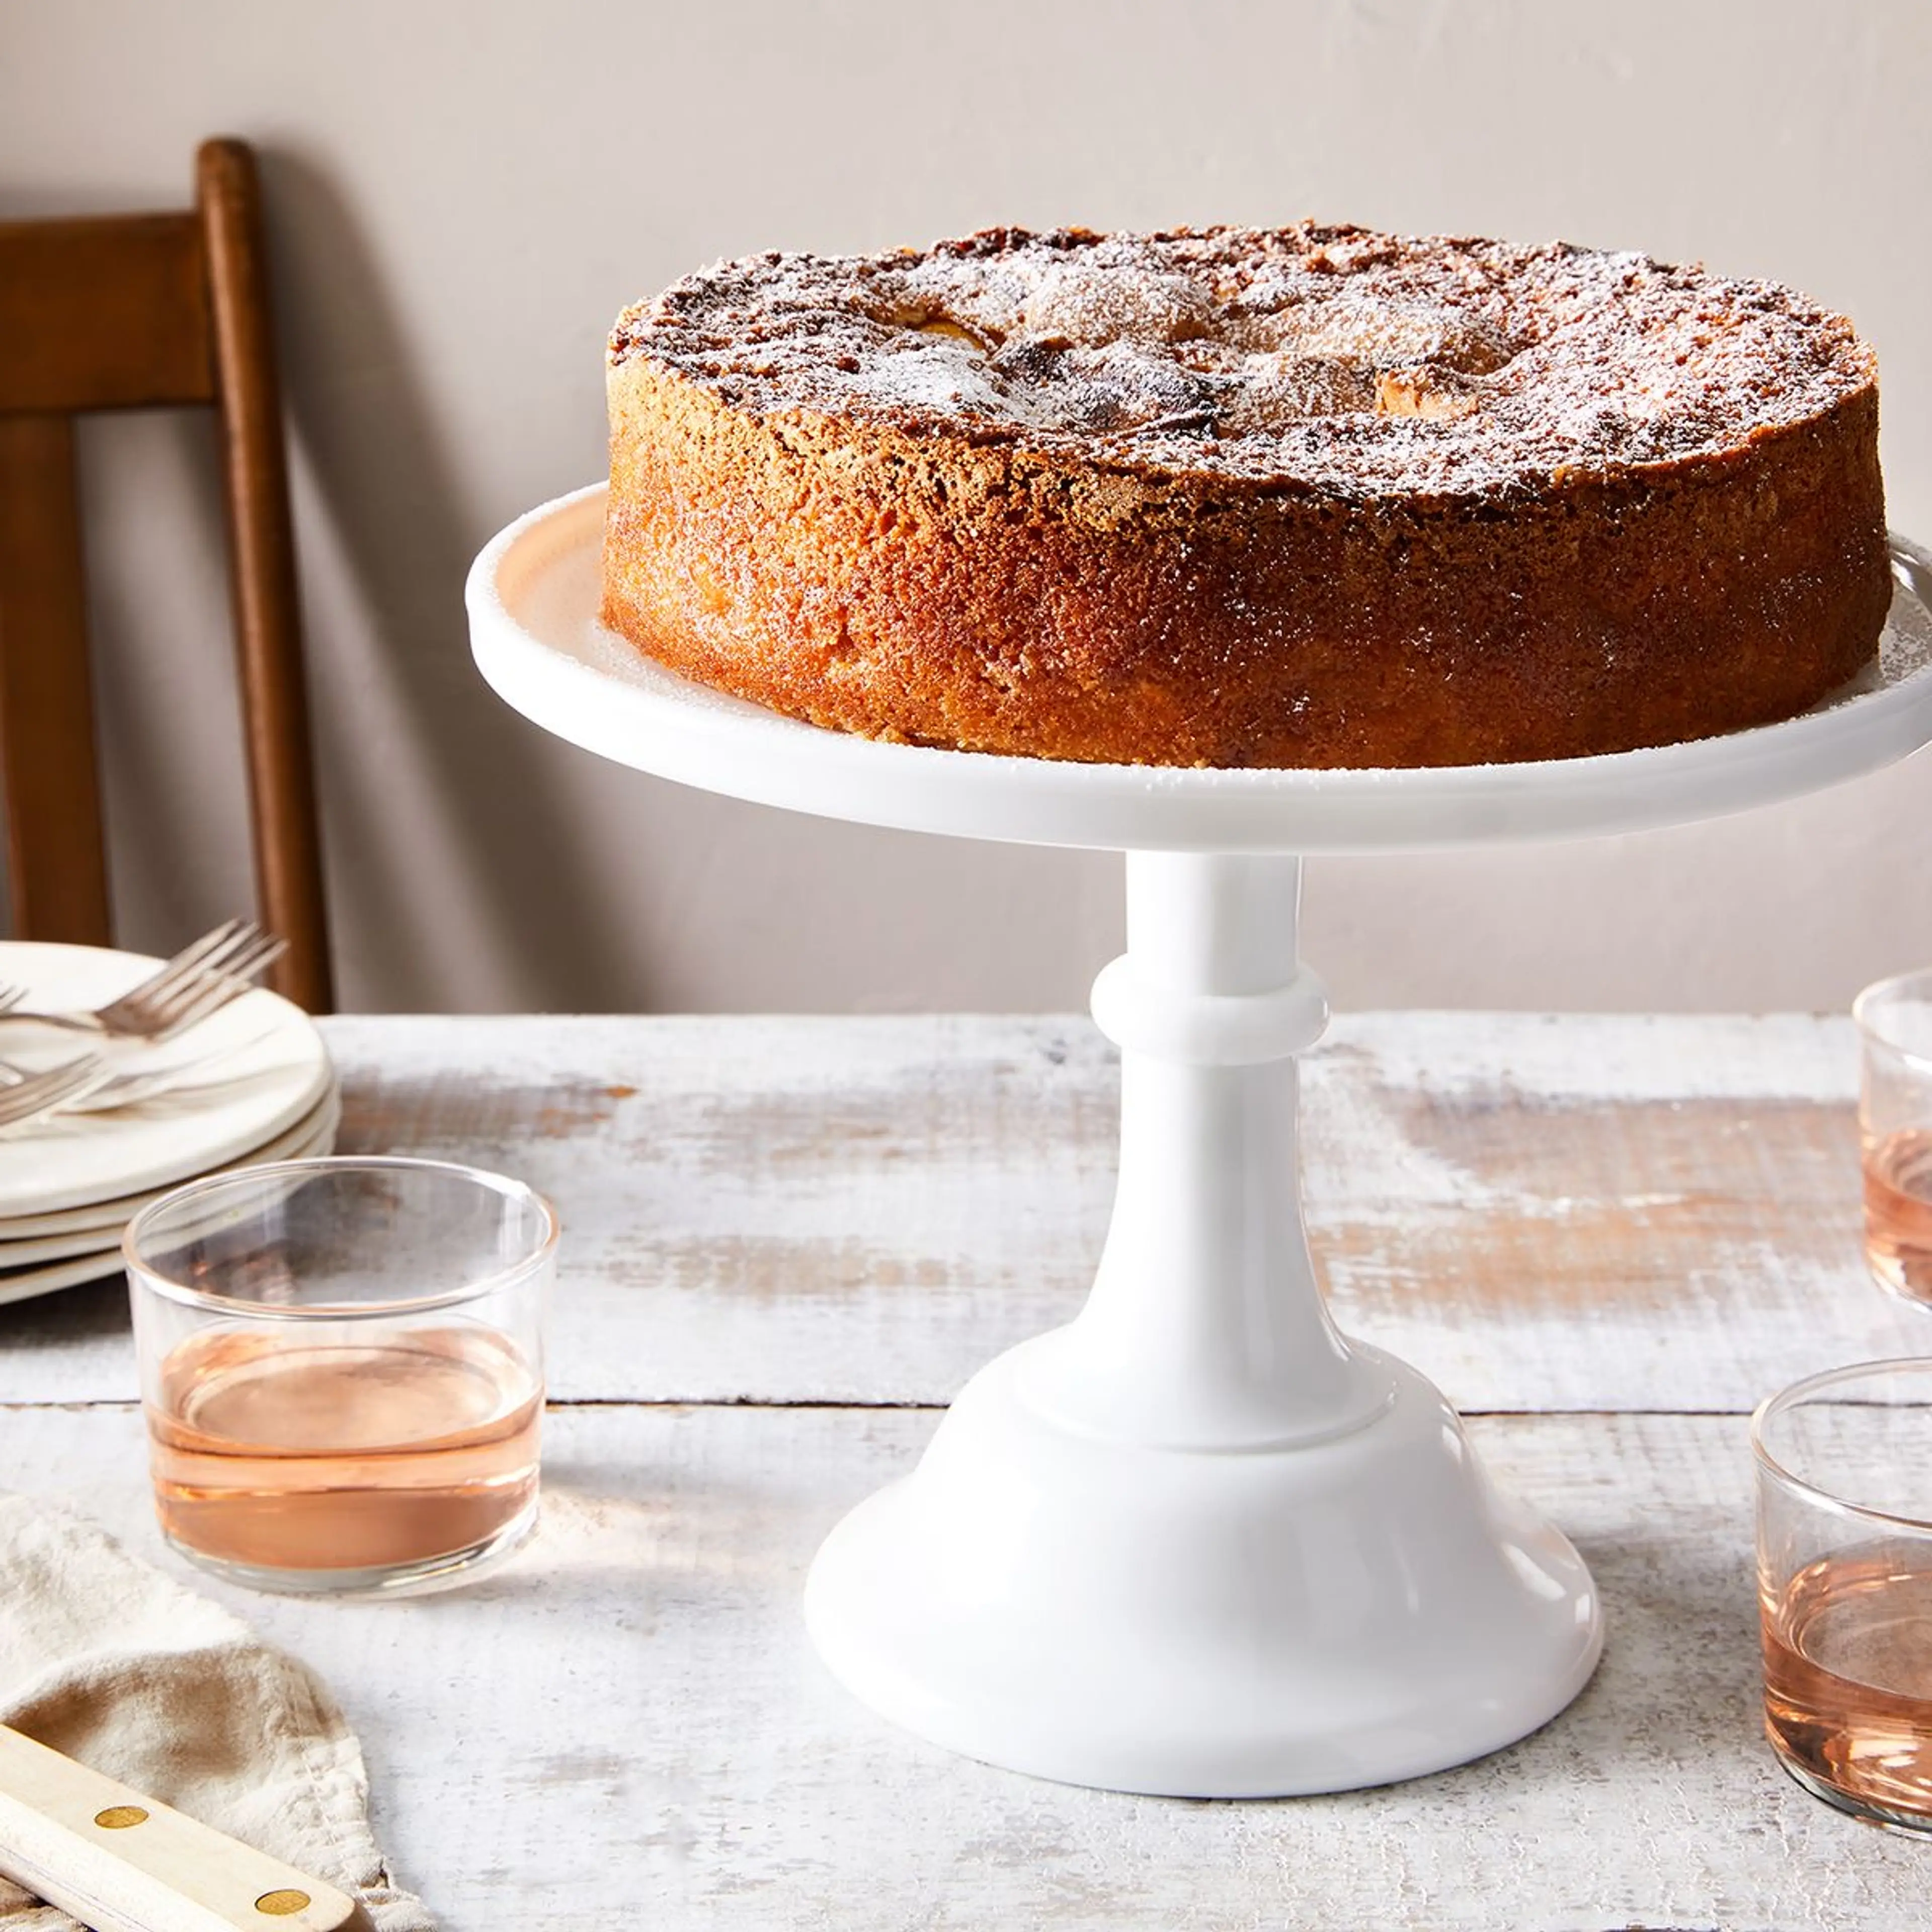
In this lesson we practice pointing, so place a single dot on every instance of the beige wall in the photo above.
(462, 195)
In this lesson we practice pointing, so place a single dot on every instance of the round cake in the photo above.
(1302, 496)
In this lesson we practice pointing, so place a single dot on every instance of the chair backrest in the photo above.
(135, 311)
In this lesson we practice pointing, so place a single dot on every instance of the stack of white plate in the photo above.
(69, 1182)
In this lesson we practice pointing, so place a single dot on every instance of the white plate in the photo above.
(533, 595)
(30, 1282)
(34, 1250)
(289, 1144)
(18, 1282)
(74, 1160)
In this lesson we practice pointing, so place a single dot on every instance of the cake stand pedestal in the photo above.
(1196, 1542)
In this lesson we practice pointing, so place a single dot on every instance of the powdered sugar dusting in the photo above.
(1332, 359)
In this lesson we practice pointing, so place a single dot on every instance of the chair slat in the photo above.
(48, 775)
(105, 314)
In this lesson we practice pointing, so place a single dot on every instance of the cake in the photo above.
(1306, 497)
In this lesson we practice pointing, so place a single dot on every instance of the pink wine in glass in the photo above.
(300, 1453)
(1898, 1212)
(1848, 1679)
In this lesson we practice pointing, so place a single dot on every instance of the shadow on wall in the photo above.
(409, 729)
(167, 707)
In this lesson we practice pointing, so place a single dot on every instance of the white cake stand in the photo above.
(1196, 1542)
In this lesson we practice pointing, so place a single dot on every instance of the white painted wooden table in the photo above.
(787, 1240)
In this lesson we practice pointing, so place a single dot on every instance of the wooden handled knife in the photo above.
(121, 1862)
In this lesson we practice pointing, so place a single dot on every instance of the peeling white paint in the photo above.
(867, 1210)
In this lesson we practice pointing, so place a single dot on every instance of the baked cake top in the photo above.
(1329, 359)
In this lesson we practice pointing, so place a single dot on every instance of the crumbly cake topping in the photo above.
(1331, 359)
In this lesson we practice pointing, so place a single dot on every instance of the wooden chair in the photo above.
(130, 312)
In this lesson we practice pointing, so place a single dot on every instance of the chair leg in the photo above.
(268, 614)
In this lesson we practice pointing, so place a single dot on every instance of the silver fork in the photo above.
(211, 948)
(198, 981)
(144, 1082)
(41, 1092)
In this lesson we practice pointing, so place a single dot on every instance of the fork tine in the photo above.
(11, 997)
(264, 957)
(194, 954)
(205, 1005)
(261, 957)
(80, 1077)
(190, 1071)
(123, 1012)
(193, 1005)
(263, 945)
(152, 1004)
(43, 1091)
(209, 955)
(241, 965)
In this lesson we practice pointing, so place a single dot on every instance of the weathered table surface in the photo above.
(787, 1240)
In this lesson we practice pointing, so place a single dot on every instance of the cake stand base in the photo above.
(1196, 1542)
(1199, 1623)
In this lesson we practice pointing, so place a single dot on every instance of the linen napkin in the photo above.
(105, 1658)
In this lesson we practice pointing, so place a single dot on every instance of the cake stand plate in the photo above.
(533, 597)
(1196, 1542)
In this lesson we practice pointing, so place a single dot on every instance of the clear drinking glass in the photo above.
(1844, 1553)
(1894, 1021)
(342, 1367)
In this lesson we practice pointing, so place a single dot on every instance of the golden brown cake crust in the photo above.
(1306, 497)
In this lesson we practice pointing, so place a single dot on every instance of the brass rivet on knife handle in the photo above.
(65, 1835)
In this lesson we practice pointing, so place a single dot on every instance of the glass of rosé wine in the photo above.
(1894, 1022)
(341, 1366)
(1844, 1558)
